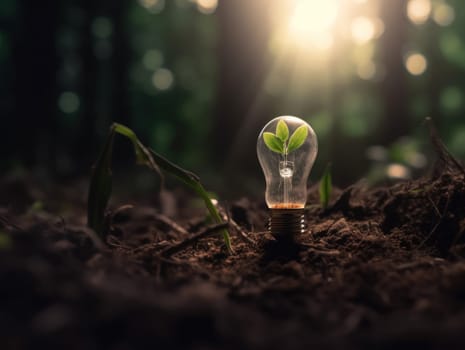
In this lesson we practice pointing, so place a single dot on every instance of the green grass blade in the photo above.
(325, 188)
(100, 187)
(193, 182)
(142, 153)
(156, 162)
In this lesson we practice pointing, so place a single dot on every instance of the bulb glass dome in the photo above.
(286, 148)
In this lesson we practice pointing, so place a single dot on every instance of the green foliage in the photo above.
(5, 241)
(273, 142)
(282, 131)
(325, 187)
(143, 156)
(278, 142)
(297, 139)
(101, 184)
(100, 187)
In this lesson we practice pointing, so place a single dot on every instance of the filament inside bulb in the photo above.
(286, 169)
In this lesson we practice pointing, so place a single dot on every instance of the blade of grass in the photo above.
(142, 153)
(192, 181)
(325, 187)
(154, 161)
(100, 187)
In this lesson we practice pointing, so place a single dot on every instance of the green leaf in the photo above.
(192, 180)
(273, 142)
(325, 187)
(142, 153)
(282, 131)
(100, 189)
(297, 139)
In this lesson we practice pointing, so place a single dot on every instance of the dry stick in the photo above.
(189, 241)
(234, 224)
(167, 221)
(122, 208)
(423, 262)
(333, 252)
(8, 224)
(441, 149)
(446, 207)
(434, 206)
(160, 217)
(320, 249)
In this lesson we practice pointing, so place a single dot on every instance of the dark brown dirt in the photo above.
(381, 268)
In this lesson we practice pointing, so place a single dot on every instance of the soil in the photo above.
(381, 268)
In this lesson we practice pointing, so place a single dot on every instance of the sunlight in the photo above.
(363, 30)
(311, 21)
(418, 11)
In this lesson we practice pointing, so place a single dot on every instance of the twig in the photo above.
(319, 249)
(333, 252)
(6, 223)
(190, 241)
(112, 241)
(122, 208)
(167, 221)
(423, 262)
(441, 217)
(242, 234)
(443, 153)
(434, 206)
(160, 217)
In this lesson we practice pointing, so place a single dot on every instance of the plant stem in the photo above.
(287, 181)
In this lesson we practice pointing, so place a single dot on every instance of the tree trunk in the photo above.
(396, 121)
(32, 130)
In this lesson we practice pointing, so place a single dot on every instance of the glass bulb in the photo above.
(286, 148)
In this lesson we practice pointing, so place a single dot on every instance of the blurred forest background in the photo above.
(198, 79)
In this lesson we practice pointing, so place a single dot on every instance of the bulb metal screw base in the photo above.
(287, 224)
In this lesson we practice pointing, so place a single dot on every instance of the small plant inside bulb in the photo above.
(286, 149)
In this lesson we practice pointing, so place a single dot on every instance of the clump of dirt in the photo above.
(379, 268)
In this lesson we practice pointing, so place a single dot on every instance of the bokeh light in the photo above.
(398, 171)
(68, 102)
(207, 6)
(366, 70)
(418, 11)
(362, 29)
(152, 59)
(102, 27)
(443, 14)
(416, 63)
(162, 79)
(153, 6)
(451, 99)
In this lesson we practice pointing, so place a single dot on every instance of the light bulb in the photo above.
(286, 148)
